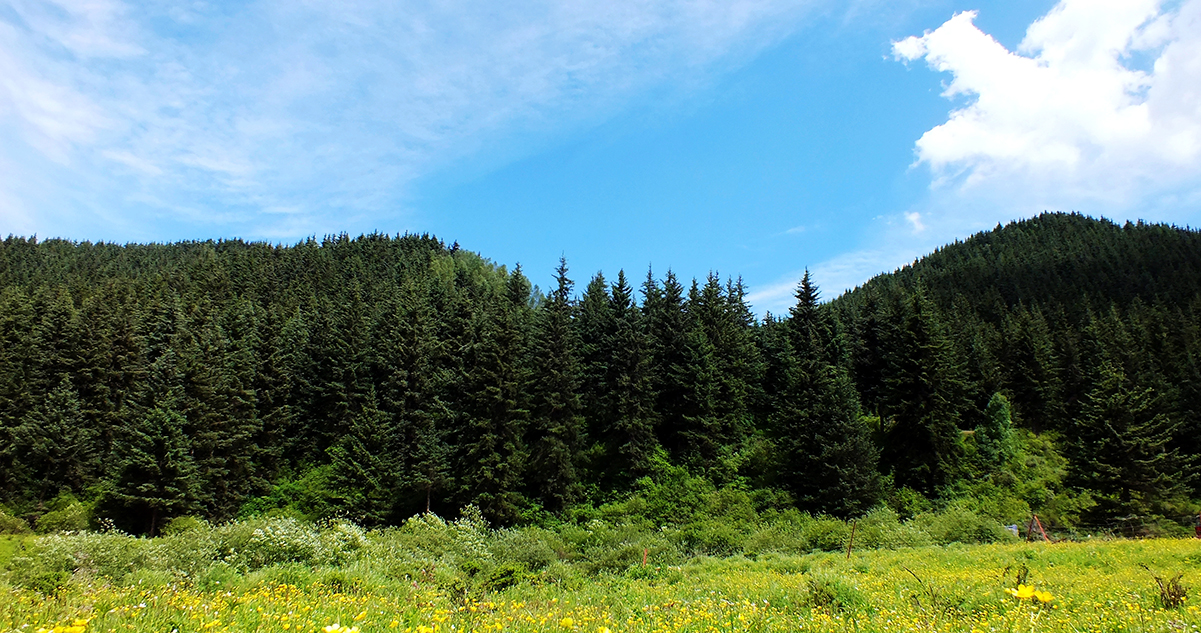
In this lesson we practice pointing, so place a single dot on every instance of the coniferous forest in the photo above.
(1051, 365)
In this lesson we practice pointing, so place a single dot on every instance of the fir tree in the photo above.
(154, 475)
(556, 422)
(827, 458)
(1123, 446)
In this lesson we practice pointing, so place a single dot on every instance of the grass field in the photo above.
(1093, 587)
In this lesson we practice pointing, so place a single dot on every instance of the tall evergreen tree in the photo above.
(556, 420)
(154, 475)
(827, 459)
(924, 402)
(1123, 447)
(629, 430)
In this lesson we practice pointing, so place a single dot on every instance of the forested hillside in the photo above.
(1051, 364)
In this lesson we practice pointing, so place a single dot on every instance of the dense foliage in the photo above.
(1051, 364)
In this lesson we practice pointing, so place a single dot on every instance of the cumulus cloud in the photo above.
(168, 111)
(1099, 105)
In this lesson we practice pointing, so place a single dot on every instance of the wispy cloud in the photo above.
(841, 273)
(211, 114)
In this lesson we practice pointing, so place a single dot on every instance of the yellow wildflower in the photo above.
(1023, 592)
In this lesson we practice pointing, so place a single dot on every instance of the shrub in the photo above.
(530, 547)
(826, 534)
(882, 529)
(73, 517)
(109, 555)
(185, 552)
(833, 593)
(10, 524)
(180, 525)
(218, 577)
(957, 524)
(715, 537)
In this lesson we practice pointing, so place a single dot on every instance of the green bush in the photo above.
(715, 537)
(185, 552)
(957, 524)
(107, 555)
(783, 535)
(218, 577)
(826, 534)
(834, 593)
(882, 529)
(180, 525)
(10, 524)
(73, 517)
(263, 541)
(529, 547)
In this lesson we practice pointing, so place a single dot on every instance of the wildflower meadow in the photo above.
(436, 576)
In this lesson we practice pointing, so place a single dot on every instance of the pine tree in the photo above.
(1123, 447)
(556, 421)
(668, 329)
(827, 459)
(629, 431)
(496, 413)
(996, 445)
(366, 466)
(924, 402)
(53, 446)
(154, 475)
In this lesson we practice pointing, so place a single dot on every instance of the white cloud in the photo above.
(1070, 117)
(325, 109)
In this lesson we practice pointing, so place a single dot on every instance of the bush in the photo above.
(882, 529)
(776, 537)
(181, 525)
(264, 541)
(715, 537)
(530, 547)
(74, 517)
(957, 524)
(184, 552)
(826, 534)
(833, 593)
(109, 555)
(10, 524)
(218, 577)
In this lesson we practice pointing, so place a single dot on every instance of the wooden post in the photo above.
(645, 551)
(1030, 528)
(1040, 528)
(851, 543)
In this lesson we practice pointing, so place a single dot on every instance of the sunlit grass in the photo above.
(1069, 587)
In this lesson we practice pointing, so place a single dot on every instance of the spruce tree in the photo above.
(495, 413)
(996, 445)
(629, 430)
(827, 459)
(54, 448)
(366, 466)
(154, 477)
(924, 402)
(1123, 447)
(556, 420)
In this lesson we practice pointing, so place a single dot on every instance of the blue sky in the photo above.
(752, 137)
